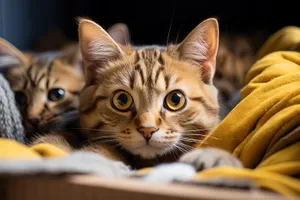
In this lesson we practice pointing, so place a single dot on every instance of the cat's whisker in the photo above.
(172, 152)
(176, 40)
(194, 134)
(188, 147)
(190, 140)
(176, 147)
(104, 138)
(182, 148)
(170, 27)
(195, 130)
(202, 142)
(196, 141)
(204, 135)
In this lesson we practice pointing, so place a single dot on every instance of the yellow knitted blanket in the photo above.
(263, 130)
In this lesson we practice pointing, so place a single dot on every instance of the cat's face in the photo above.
(47, 88)
(150, 100)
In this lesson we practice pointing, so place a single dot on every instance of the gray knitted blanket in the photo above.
(10, 118)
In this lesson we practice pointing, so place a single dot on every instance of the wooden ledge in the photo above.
(85, 187)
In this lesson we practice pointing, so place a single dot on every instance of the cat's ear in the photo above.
(200, 47)
(97, 48)
(10, 56)
(72, 57)
(120, 33)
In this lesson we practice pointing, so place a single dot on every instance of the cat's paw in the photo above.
(206, 158)
(167, 173)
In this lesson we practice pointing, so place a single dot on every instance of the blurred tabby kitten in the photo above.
(47, 85)
(235, 57)
(149, 104)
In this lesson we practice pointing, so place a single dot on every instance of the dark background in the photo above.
(22, 22)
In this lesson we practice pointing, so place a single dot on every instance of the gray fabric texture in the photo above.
(75, 163)
(10, 118)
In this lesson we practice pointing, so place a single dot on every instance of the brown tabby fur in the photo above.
(148, 74)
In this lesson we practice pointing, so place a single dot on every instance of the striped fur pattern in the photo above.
(46, 87)
(148, 74)
(235, 57)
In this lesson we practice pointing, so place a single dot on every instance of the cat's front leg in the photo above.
(206, 158)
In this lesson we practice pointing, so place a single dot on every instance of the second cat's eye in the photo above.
(20, 98)
(175, 101)
(122, 101)
(56, 94)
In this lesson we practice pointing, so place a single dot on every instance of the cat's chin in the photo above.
(147, 152)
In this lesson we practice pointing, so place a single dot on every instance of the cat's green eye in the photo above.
(175, 101)
(56, 94)
(122, 101)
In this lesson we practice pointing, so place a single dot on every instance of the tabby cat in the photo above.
(47, 85)
(148, 105)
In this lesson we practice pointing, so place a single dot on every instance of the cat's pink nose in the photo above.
(147, 132)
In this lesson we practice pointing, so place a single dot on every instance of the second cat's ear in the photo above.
(10, 56)
(200, 47)
(97, 48)
(120, 33)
